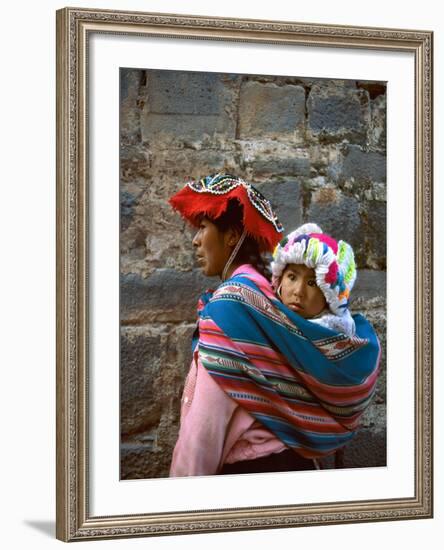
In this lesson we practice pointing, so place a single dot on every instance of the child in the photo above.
(313, 276)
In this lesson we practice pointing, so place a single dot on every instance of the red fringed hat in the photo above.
(210, 196)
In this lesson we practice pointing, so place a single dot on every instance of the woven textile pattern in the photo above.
(306, 383)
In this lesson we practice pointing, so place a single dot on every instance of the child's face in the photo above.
(300, 292)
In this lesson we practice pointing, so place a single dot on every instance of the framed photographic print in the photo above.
(333, 126)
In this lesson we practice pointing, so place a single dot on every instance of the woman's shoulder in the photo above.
(247, 273)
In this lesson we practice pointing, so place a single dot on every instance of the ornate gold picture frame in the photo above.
(76, 519)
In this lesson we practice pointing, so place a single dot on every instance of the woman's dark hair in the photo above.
(249, 252)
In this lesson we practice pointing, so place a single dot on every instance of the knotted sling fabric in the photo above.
(304, 382)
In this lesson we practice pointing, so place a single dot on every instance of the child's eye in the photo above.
(291, 276)
(311, 282)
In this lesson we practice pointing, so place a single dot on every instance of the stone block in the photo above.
(376, 234)
(363, 165)
(130, 80)
(157, 236)
(130, 85)
(370, 283)
(334, 109)
(186, 164)
(148, 454)
(186, 106)
(325, 160)
(276, 166)
(285, 197)
(185, 93)
(367, 450)
(377, 133)
(266, 108)
(143, 461)
(154, 361)
(270, 157)
(138, 461)
(337, 214)
(134, 161)
(369, 447)
(167, 296)
(184, 127)
(127, 202)
(361, 224)
(140, 363)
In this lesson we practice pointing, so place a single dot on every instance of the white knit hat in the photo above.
(332, 261)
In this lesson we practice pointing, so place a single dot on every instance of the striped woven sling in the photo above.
(305, 383)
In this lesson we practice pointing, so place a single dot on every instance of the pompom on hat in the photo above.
(332, 261)
(210, 197)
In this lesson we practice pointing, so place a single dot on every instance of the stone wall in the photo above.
(315, 148)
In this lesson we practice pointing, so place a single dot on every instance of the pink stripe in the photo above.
(325, 422)
(212, 335)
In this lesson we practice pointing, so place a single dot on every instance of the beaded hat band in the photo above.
(210, 197)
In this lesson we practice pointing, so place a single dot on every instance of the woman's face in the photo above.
(300, 292)
(213, 248)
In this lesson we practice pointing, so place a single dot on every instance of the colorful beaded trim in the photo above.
(220, 184)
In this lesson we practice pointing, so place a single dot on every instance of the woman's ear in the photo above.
(232, 236)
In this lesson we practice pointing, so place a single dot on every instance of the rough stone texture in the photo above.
(285, 196)
(364, 166)
(376, 236)
(267, 109)
(167, 296)
(369, 284)
(130, 83)
(377, 135)
(185, 93)
(184, 127)
(282, 166)
(186, 106)
(368, 449)
(141, 355)
(267, 158)
(316, 148)
(337, 109)
(340, 214)
(155, 361)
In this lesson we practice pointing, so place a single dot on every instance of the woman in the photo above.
(263, 392)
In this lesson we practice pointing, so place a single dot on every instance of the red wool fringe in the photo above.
(192, 206)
